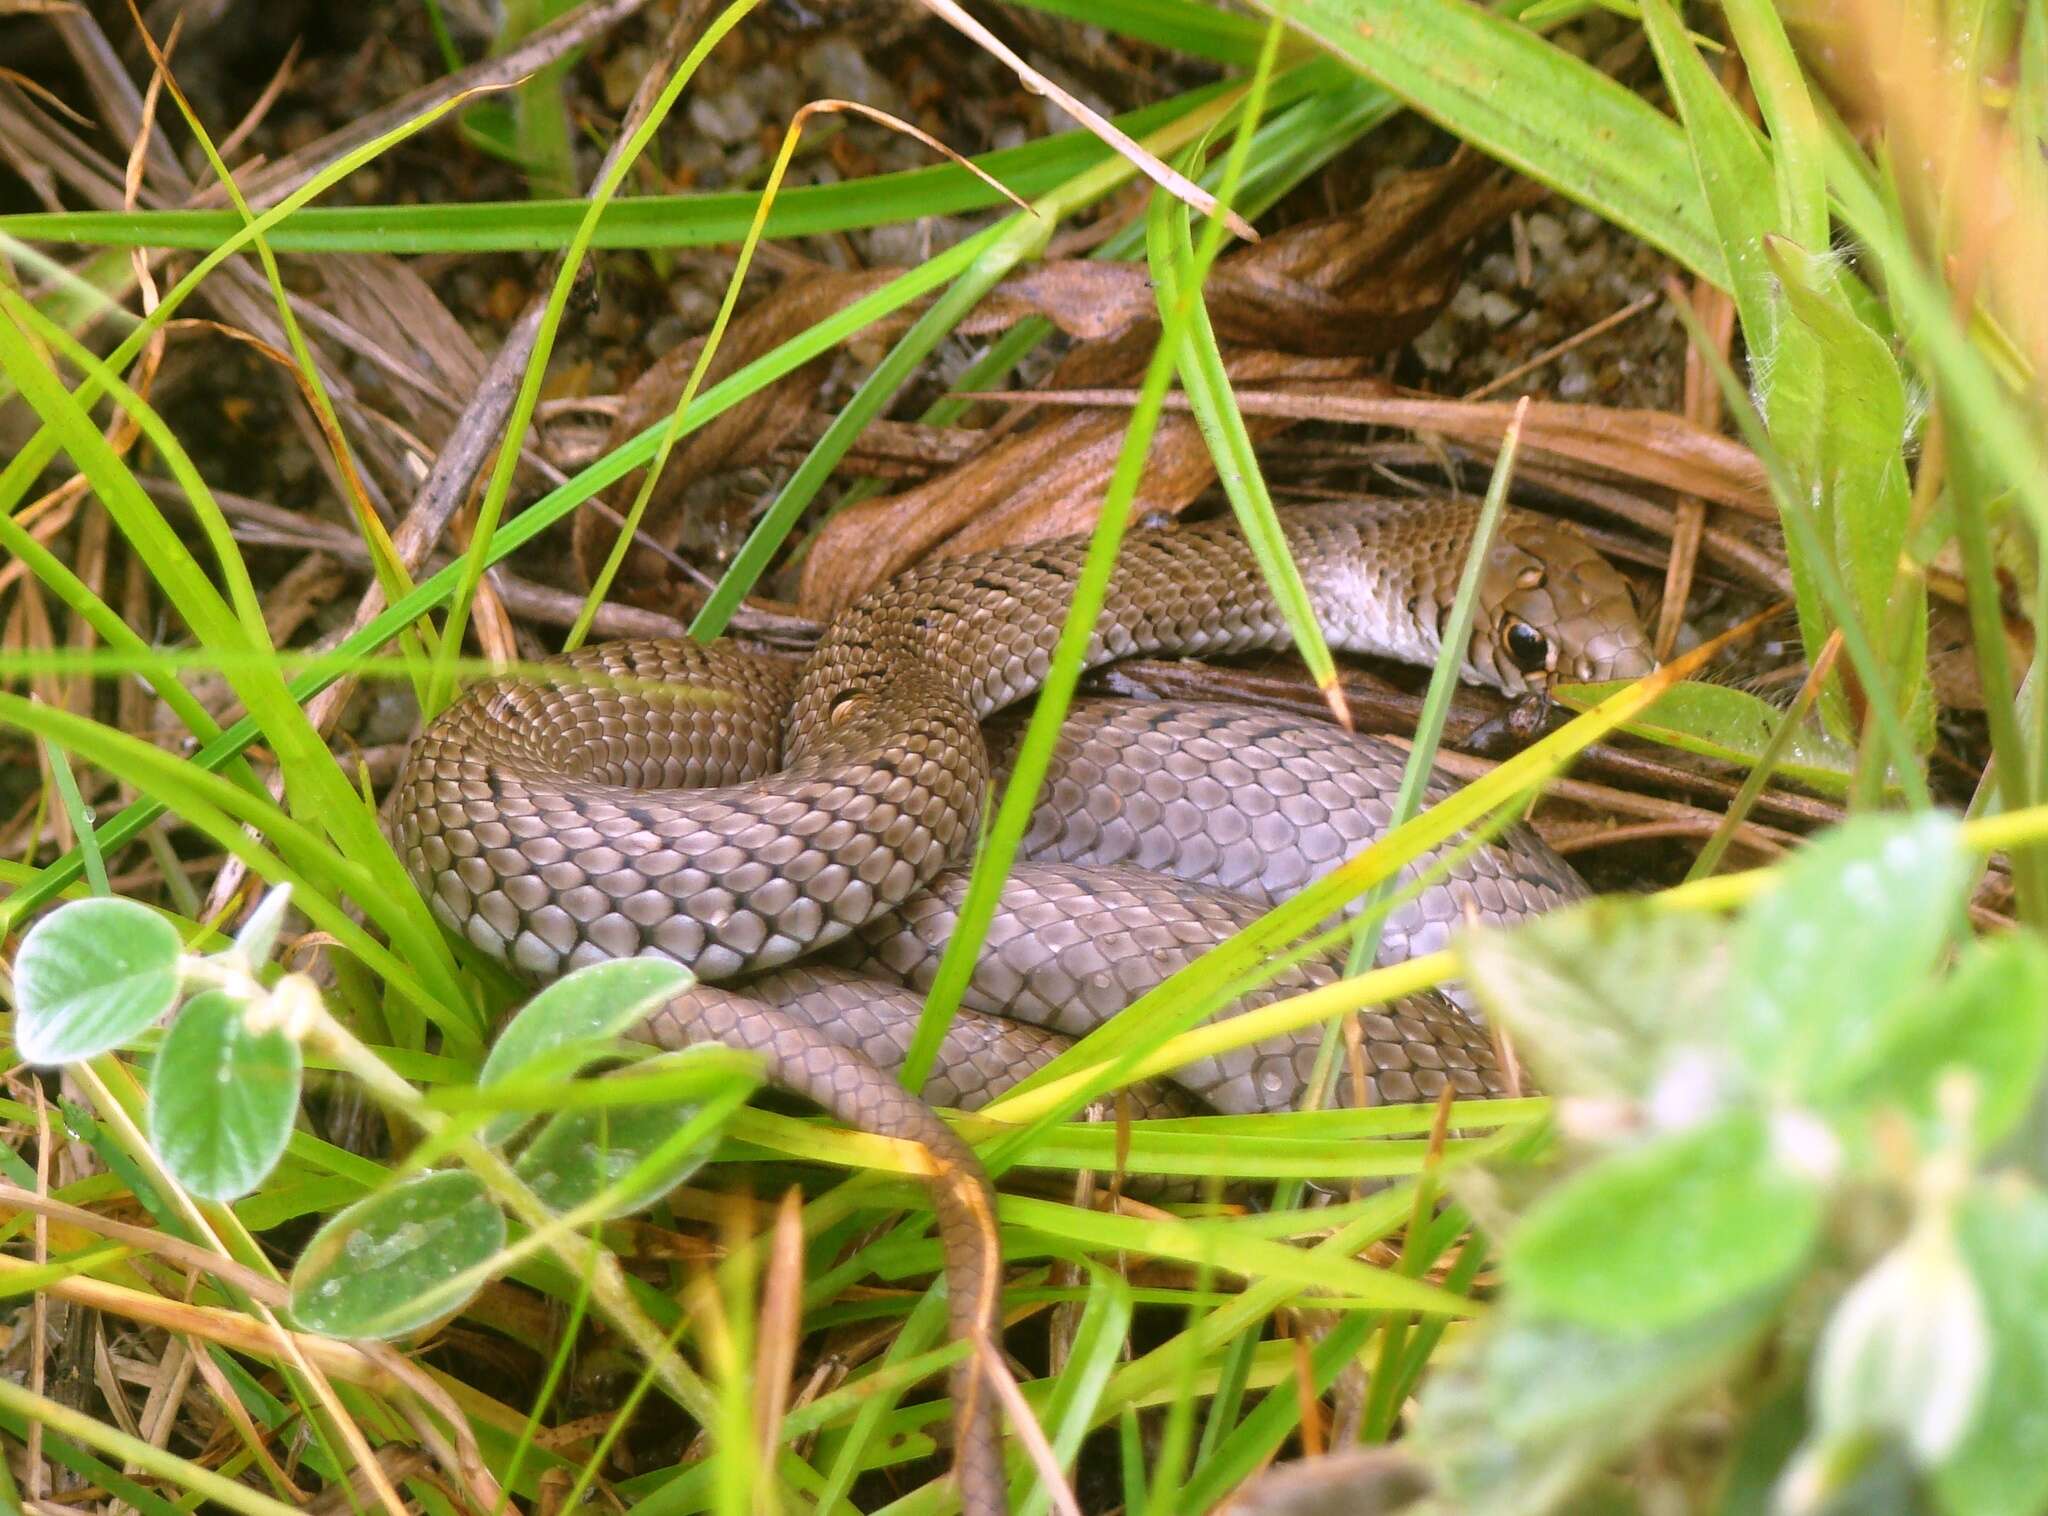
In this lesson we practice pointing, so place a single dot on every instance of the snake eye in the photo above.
(1529, 648)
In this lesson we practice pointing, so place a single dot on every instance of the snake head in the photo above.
(1552, 610)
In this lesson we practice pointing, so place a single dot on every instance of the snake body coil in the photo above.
(708, 806)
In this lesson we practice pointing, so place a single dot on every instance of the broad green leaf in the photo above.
(91, 975)
(1740, 179)
(1536, 1407)
(1734, 726)
(1597, 995)
(1855, 473)
(2001, 1466)
(222, 1098)
(578, 1153)
(1514, 96)
(1853, 923)
(383, 1266)
(1664, 1234)
(1990, 1017)
(591, 1005)
(581, 1152)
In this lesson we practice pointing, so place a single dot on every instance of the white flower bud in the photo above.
(1907, 1351)
(259, 933)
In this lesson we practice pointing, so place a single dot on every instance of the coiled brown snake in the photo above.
(712, 807)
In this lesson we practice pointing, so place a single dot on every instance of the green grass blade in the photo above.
(1179, 25)
(1734, 172)
(655, 221)
(1834, 594)
(391, 575)
(440, 683)
(1176, 274)
(223, 243)
(313, 780)
(1076, 1394)
(220, 810)
(1501, 87)
(997, 251)
(1443, 683)
(999, 851)
(81, 818)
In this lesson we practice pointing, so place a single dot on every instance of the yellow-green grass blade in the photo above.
(220, 810)
(227, 240)
(1075, 1077)
(1199, 363)
(1016, 240)
(390, 572)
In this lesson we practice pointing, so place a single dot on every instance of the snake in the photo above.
(798, 835)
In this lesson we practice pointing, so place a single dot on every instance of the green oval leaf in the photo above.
(1599, 995)
(1523, 1417)
(1731, 725)
(591, 1005)
(1857, 922)
(1989, 1018)
(648, 1146)
(222, 1098)
(580, 1153)
(396, 1260)
(91, 975)
(1667, 1232)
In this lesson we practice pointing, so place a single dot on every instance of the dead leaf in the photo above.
(1643, 446)
(1046, 481)
(742, 436)
(392, 307)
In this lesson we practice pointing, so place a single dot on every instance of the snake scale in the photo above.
(736, 815)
